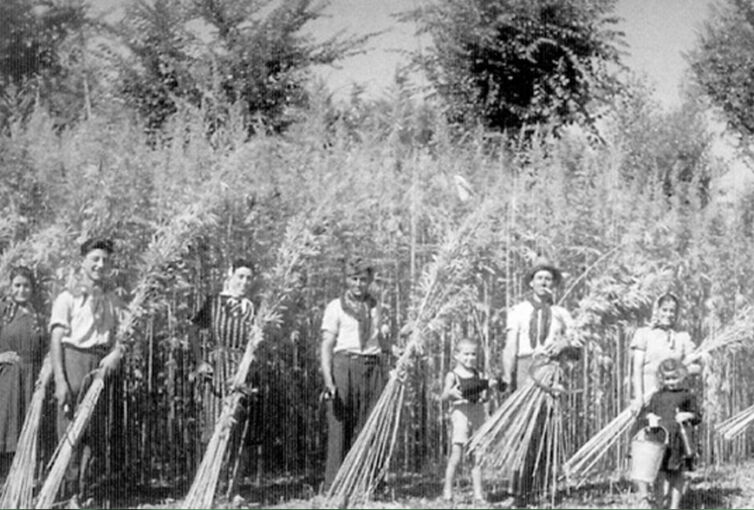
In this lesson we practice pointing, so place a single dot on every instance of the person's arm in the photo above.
(58, 371)
(510, 352)
(451, 390)
(199, 322)
(110, 363)
(638, 378)
(328, 346)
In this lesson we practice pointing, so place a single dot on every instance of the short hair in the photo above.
(241, 262)
(97, 244)
(671, 369)
(466, 341)
(359, 265)
(26, 273)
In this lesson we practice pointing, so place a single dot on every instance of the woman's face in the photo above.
(20, 289)
(666, 314)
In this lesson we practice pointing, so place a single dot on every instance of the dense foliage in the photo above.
(511, 63)
(722, 62)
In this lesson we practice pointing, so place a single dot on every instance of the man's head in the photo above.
(95, 263)
(241, 277)
(543, 278)
(359, 274)
(466, 353)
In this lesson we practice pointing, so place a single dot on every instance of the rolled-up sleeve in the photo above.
(61, 312)
(331, 318)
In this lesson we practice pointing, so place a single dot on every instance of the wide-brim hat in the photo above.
(545, 265)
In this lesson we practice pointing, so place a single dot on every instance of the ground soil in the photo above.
(724, 487)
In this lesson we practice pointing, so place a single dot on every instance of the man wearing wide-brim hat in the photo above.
(535, 327)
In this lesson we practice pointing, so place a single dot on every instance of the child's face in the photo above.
(466, 355)
(673, 383)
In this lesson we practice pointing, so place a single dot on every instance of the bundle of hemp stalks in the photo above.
(739, 333)
(527, 430)
(736, 425)
(443, 291)
(19, 485)
(167, 245)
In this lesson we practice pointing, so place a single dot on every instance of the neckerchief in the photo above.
(234, 305)
(360, 309)
(541, 317)
(91, 293)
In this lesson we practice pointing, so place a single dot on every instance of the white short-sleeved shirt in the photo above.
(659, 345)
(82, 329)
(346, 330)
(518, 320)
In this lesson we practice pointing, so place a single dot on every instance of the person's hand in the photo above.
(636, 405)
(62, 395)
(9, 357)
(683, 416)
(493, 383)
(110, 363)
(653, 420)
(454, 393)
(204, 369)
(396, 350)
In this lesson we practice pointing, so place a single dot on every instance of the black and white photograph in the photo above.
(371, 254)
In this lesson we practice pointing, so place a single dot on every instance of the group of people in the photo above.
(355, 351)
(356, 345)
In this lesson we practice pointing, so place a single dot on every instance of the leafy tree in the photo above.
(222, 54)
(723, 62)
(516, 62)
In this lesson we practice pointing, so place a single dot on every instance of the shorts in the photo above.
(465, 419)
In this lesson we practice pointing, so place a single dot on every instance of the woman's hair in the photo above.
(671, 369)
(668, 296)
(26, 273)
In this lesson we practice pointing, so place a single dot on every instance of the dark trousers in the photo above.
(359, 380)
(79, 365)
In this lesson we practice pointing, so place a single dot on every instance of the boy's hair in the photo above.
(466, 341)
(241, 262)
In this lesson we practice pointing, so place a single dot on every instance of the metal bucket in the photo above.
(646, 456)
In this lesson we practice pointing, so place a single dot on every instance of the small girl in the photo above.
(463, 389)
(674, 408)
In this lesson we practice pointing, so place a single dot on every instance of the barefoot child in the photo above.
(463, 388)
(675, 409)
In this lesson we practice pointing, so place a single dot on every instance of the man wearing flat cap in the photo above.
(83, 323)
(353, 341)
(534, 327)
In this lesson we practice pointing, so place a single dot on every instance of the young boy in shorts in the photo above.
(463, 388)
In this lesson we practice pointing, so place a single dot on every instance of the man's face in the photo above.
(96, 265)
(542, 283)
(240, 281)
(358, 284)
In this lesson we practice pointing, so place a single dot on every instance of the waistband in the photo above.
(357, 356)
(97, 349)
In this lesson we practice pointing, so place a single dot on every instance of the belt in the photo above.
(357, 356)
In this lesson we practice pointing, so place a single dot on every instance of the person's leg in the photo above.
(476, 479)
(661, 489)
(642, 492)
(676, 486)
(337, 419)
(456, 450)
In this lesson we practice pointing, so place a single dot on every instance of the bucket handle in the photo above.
(644, 432)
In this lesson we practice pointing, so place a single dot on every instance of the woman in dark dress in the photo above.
(21, 349)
